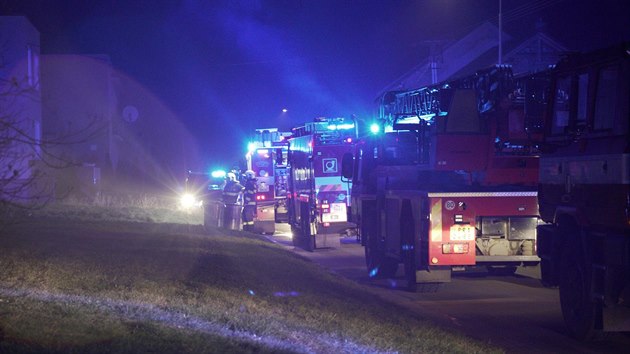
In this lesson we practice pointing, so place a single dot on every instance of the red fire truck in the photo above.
(452, 180)
(584, 191)
(318, 198)
(267, 158)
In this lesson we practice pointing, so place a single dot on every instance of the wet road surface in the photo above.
(514, 312)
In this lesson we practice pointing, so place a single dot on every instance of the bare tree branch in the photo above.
(27, 161)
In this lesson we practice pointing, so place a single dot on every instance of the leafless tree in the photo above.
(28, 162)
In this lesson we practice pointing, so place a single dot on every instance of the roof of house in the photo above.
(478, 50)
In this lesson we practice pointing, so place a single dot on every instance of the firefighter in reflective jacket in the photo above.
(249, 198)
(232, 189)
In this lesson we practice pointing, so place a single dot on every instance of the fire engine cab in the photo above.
(267, 158)
(318, 199)
(584, 191)
(451, 179)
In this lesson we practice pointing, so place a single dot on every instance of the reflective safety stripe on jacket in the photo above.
(231, 191)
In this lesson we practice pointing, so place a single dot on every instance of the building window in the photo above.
(605, 99)
(33, 66)
(561, 106)
(582, 101)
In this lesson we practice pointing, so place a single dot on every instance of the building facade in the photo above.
(20, 110)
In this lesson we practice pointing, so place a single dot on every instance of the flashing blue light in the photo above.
(375, 128)
(345, 126)
(373, 272)
(341, 126)
(251, 147)
(217, 174)
(251, 292)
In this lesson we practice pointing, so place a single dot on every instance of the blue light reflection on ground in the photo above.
(291, 293)
(285, 294)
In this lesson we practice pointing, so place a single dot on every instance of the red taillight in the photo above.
(260, 197)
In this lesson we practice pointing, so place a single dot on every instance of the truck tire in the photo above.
(308, 240)
(408, 245)
(578, 309)
(295, 235)
(378, 265)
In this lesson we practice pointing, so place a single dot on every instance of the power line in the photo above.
(528, 9)
(521, 11)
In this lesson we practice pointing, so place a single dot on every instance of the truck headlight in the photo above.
(188, 200)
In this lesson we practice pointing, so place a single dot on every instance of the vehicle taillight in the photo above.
(260, 197)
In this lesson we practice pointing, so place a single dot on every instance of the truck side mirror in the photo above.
(347, 162)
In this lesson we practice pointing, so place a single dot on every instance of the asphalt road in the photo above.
(514, 312)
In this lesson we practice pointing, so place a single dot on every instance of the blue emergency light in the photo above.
(217, 174)
(375, 128)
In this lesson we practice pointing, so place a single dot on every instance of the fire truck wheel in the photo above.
(408, 249)
(307, 237)
(578, 309)
(378, 265)
(307, 240)
(295, 236)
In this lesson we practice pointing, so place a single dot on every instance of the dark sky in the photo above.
(242, 61)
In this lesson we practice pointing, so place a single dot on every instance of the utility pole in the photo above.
(435, 55)
(500, 33)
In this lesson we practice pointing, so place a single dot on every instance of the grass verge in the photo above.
(89, 284)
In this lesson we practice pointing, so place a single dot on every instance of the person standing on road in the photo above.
(232, 189)
(249, 200)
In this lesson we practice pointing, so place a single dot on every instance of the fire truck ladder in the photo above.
(429, 101)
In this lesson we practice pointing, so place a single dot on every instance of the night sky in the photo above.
(228, 67)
